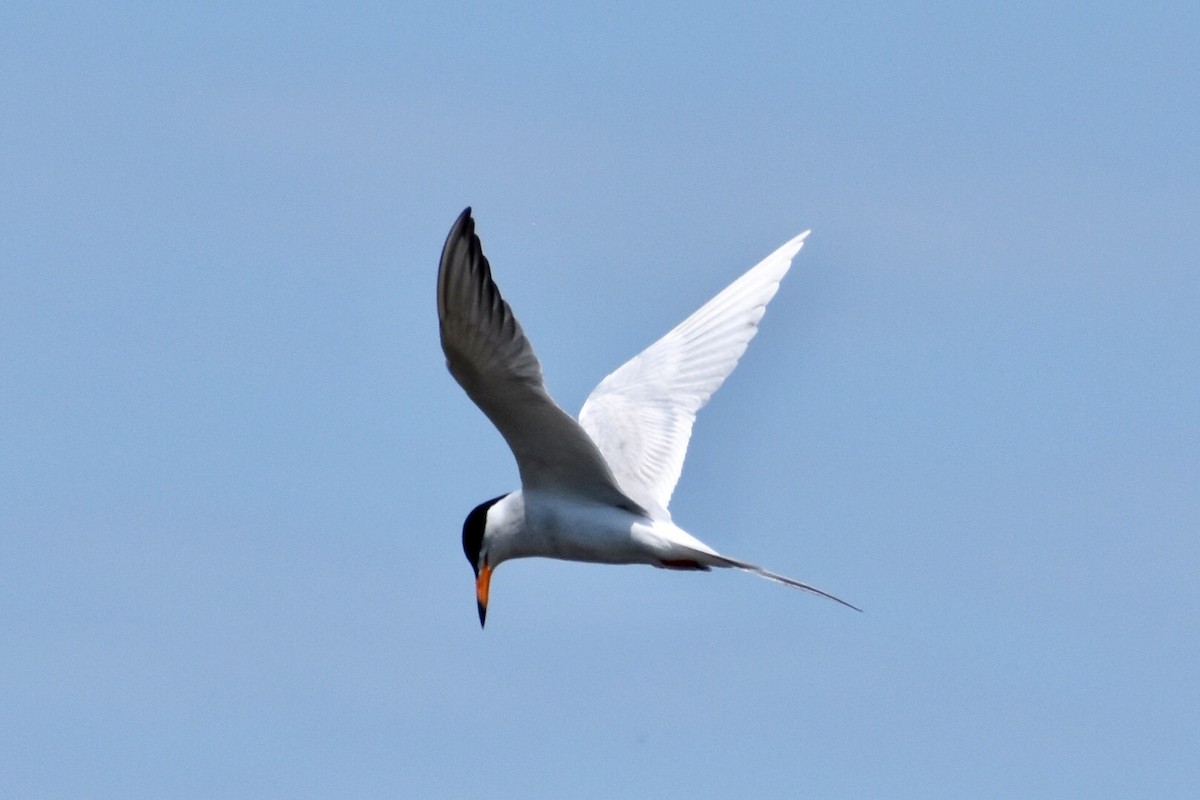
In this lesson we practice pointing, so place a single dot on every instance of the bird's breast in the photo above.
(558, 527)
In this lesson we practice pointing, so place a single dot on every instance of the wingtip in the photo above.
(798, 241)
(457, 244)
(464, 219)
(463, 226)
(788, 250)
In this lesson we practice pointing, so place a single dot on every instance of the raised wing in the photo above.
(488, 354)
(641, 416)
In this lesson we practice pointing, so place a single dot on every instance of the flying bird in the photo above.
(596, 489)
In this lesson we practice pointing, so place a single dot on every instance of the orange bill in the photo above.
(482, 581)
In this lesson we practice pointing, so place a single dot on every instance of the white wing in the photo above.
(489, 356)
(641, 415)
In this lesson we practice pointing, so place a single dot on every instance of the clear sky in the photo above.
(233, 468)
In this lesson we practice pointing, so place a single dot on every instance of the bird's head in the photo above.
(475, 545)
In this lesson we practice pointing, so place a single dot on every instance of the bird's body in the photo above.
(524, 524)
(596, 489)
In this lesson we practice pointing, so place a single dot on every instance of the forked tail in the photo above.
(725, 561)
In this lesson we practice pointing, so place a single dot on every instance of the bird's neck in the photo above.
(505, 523)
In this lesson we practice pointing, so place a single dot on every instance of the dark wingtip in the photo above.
(464, 224)
(462, 235)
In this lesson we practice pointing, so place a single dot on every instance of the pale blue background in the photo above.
(233, 469)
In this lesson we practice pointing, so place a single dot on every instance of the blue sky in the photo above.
(233, 468)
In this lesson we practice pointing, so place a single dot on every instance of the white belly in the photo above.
(572, 531)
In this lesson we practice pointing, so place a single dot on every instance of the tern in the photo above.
(596, 489)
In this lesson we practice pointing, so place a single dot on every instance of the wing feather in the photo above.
(641, 415)
(488, 354)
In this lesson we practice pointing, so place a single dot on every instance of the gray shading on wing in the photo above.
(488, 354)
(641, 415)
